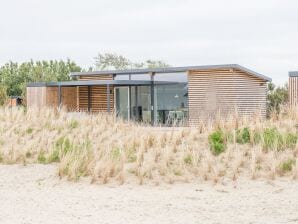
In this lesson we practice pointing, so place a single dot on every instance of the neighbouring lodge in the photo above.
(160, 96)
(293, 88)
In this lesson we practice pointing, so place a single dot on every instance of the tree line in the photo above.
(15, 76)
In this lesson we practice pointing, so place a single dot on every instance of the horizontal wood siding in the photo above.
(224, 92)
(293, 91)
(98, 100)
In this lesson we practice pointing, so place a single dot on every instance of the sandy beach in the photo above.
(35, 194)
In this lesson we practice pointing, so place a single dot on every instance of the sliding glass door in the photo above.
(122, 102)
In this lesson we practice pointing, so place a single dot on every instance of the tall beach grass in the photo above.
(107, 149)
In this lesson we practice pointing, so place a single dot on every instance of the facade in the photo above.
(163, 96)
(293, 89)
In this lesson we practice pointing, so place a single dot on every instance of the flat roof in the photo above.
(170, 70)
(293, 73)
(101, 82)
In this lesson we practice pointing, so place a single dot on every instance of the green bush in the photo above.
(188, 159)
(288, 165)
(272, 139)
(217, 142)
(3, 95)
(73, 124)
(290, 140)
(41, 157)
(115, 154)
(243, 136)
(257, 137)
(54, 157)
(29, 130)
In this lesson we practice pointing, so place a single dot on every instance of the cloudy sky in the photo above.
(259, 34)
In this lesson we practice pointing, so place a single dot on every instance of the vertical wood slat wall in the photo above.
(36, 97)
(99, 96)
(224, 92)
(293, 91)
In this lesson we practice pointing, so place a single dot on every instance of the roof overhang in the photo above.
(171, 70)
(293, 73)
(101, 83)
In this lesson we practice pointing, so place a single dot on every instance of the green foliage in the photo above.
(116, 154)
(131, 156)
(14, 76)
(3, 94)
(272, 139)
(276, 97)
(110, 61)
(291, 140)
(29, 130)
(288, 165)
(41, 157)
(257, 137)
(217, 142)
(188, 159)
(243, 136)
(54, 156)
(73, 124)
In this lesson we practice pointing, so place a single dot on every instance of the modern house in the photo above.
(187, 95)
(293, 88)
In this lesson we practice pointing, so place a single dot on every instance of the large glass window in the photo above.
(171, 104)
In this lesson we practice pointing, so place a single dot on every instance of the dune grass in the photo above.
(107, 149)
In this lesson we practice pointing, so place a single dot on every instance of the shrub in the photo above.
(243, 136)
(73, 124)
(115, 154)
(41, 157)
(3, 95)
(272, 139)
(257, 137)
(29, 130)
(188, 159)
(288, 165)
(290, 140)
(131, 156)
(217, 142)
(54, 157)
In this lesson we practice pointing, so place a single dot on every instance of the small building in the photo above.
(293, 88)
(164, 96)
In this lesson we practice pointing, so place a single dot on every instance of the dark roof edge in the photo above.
(171, 70)
(293, 74)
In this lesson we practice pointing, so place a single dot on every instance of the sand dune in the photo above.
(34, 194)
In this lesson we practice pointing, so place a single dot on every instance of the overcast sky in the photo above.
(261, 35)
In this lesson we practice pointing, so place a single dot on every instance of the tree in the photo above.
(276, 97)
(3, 95)
(113, 61)
(14, 77)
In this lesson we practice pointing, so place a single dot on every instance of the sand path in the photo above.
(34, 194)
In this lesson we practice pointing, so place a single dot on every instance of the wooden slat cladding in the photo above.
(48, 96)
(36, 97)
(98, 95)
(293, 91)
(224, 92)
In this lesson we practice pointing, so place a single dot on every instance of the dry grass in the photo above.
(109, 149)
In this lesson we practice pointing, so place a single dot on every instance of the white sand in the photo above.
(34, 194)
